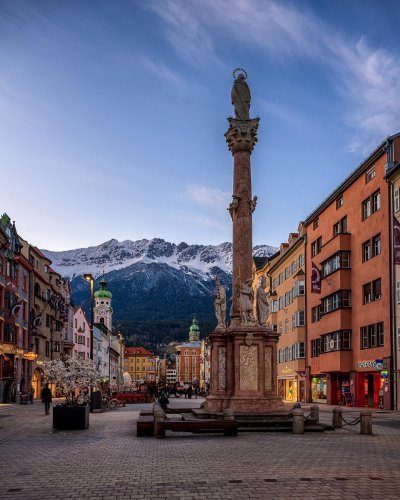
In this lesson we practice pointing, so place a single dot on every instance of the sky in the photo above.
(113, 113)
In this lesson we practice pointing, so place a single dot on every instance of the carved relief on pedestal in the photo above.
(233, 204)
(268, 368)
(222, 368)
(241, 134)
(248, 367)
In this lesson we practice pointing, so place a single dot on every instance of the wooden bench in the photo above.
(228, 427)
(145, 425)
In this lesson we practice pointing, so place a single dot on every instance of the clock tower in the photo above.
(103, 310)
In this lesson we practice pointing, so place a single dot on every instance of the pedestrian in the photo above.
(31, 395)
(190, 392)
(46, 398)
(196, 391)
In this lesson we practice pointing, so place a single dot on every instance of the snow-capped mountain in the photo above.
(114, 255)
(157, 286)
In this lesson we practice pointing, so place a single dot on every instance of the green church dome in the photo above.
(103, 293)
(194, 327)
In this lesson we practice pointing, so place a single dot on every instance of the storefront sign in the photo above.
(379, 364)
(286, 370)
(30, 355)
(371, 363)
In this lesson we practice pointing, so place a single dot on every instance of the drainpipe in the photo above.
(392, 280)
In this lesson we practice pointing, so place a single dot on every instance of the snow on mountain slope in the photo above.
(114, 255)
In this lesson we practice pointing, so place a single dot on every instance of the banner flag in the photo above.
(315, 279)
(16, 308)
(396, 241)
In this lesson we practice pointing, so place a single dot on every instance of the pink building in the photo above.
(81, 333)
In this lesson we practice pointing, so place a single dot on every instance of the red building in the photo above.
(348, 288)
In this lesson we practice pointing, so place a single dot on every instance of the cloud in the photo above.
(208, 197)
(366, 78)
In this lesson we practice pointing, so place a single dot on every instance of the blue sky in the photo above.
(112, 113)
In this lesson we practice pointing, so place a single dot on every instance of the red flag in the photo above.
(315, 279)
(396, 241)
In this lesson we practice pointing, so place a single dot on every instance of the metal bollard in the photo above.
(337, 422)
(228, 414)
(315, 413)
(298, 421)
(365, 422)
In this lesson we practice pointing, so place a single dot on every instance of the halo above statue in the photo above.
(244, 73)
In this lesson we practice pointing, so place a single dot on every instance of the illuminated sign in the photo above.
(30, 355)
(286, 370)
(375, 364)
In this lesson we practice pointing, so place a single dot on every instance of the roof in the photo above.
(103, 292)
(259, 262)
(190, 345)
(139, 351)
(41, 254)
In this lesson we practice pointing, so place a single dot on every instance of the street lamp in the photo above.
(89, 277)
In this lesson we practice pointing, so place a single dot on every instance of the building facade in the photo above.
(288, 315)
(349, 289)
(141, 364)
(81, 334)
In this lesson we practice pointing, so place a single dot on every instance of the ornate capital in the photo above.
(241, 134)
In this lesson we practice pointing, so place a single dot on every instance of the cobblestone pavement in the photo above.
(109, 461)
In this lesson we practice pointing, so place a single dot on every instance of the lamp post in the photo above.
(89, 277)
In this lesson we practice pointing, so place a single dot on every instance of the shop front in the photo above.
(291, 385)
(319, 388)
(340, 389)
(372, 382)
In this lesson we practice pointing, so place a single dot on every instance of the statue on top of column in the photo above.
(240, 96)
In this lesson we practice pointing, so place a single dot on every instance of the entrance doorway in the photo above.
(37, 382)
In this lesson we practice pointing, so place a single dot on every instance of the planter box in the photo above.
(70, 417)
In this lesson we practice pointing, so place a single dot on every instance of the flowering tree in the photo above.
(72, 376)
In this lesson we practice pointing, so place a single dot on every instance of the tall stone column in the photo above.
(243, 354)
(241, 138)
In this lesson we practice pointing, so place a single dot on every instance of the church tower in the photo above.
(194, 331)
(103, 310)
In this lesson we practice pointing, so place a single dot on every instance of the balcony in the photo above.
(341, 241)
(339, 319)
(336, 361)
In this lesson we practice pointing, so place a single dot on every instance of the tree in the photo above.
(72, 376)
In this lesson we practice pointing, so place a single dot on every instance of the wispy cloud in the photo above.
(365, 77)
(208, 197)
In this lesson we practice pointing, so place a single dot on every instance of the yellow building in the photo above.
(287, 315)
(141, 364)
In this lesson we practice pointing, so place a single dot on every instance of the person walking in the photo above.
(46, 398)
(31, 395)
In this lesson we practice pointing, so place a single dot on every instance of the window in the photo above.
(398, 339)
(315, 348)
(299, 318)
(280, 326)
(371, 204)
(370, 174)
(340, 260)
(56, 347)
(338, 300)
(286, 326)
(81, 339)
(316, 246)
(339, 202)
(396, 198)
(315, 314)
(372, 291)
(336, 341)
(47, 348)
(46, 268)
(9, 332)
(298, 288)
(372, 336)
(340, 227)
(47, 320)
(274, 306)
(372, 248)
(398, 292)
(315, 223)
(301, 260)
(293, 321)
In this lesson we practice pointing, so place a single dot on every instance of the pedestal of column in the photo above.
(243, 370)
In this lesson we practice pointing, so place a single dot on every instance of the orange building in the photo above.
(288, 313)
(188, 357)
(348, 288)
